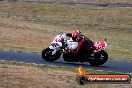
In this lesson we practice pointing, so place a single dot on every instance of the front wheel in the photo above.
(99, 58)
(47, 55)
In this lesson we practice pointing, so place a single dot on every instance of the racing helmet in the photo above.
(76, 35)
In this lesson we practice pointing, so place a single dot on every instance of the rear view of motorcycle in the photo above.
(60, 46)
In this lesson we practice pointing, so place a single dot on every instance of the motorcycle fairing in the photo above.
(100, 45)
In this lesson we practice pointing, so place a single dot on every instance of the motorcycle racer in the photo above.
(84, 43)
(77, 36)
(85, 52)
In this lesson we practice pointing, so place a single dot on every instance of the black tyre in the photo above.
(81, 80)
(99, 58)
(47, 55)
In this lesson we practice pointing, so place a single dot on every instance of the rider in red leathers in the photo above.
(83, 41)
(78, 37)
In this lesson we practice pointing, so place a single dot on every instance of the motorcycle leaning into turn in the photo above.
(68, 48)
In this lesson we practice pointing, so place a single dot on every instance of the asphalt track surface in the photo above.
(110, 65)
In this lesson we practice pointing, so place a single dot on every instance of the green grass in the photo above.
(113, 23)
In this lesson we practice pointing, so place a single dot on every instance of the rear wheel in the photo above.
(47, 55)
(99, 58)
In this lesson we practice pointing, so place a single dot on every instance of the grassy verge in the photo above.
(19, 75)
(30, 28)
(63, 68)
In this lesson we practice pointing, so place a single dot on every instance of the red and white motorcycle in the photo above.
(68, 48)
